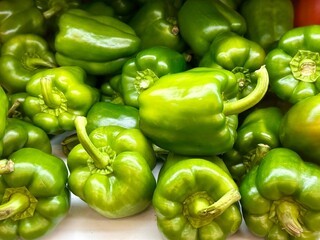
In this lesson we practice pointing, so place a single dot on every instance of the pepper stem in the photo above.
(6, 166)
(243, 104)
(17, 203)
(288, 214)
(36, 63)
(50, 97)
(100, 160)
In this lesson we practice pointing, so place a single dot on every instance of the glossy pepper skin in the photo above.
(110, 172)
(79, 42)
(56, 96)
(22, 134)
(3, 116)
(209, 17)
(205, 206)
(257, 134)
(238, 54)
(17, 18)
(294, 64)
(300, 129)
(107, 113)
(140, 72)
(158, 18)
(34, 195)
(267, 20)
(280, 197)
(186, 113)
(21, 57)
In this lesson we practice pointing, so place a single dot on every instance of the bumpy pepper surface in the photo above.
(56, 96)
(300, 129)
(280, 199)
(294, 65)
(195, 112)
(34, 196)
(257, 134)
(98, 44)
(109, 170)
(140, 72)
(195, 199)
(205, 19)
(235, 53)
(267, 20)
(21, 57)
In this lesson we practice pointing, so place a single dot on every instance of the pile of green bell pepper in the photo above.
(203, 111)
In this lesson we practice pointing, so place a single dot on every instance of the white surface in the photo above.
(84, 223)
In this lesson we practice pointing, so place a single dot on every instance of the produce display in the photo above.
(221, 96)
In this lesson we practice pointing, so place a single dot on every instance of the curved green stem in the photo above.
(236, 107)
(6, 166)
(52, 11)
(36, 63)
(288, 215)
(253, 157)
(100, 160)
(51, 99)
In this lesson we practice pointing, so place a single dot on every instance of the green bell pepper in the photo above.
(205, 19)
(140, 72)
(294, 65)
(18, 17)
(267, 20)
(34, 196)
(160, 19)
(110, 90)
(195, 112)
(107, 113)
(109, 170)
(300, 130)
(196, 199)
(22, 134)
(235, 53)
(280, 197)
(257, 134)
(21, 57)
(3, 116)
(56, 96)
(98, 44)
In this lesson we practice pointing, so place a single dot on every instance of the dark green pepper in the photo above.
(109, 170)
(56, 96)
(267, 20)
(235, 53)
(195, 112)
(280, 199)
(300, 129)
(205, 19)
(98, 44)
(140, 72)
(160, 19)
(20, 18)
(21, 57)
(22, 134)
(107, 113)
(294, 65)
(195, 199)
(34, 195)
(257, 134)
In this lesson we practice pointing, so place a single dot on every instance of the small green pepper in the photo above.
(257, 134)
(21, 57)
(34, 195)
(195, 112)
(56, 96)
(294, 65)
(280, 197)
(140, 72)
(195, 199)
(22, 134)
(109, 170)
(98, 44)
